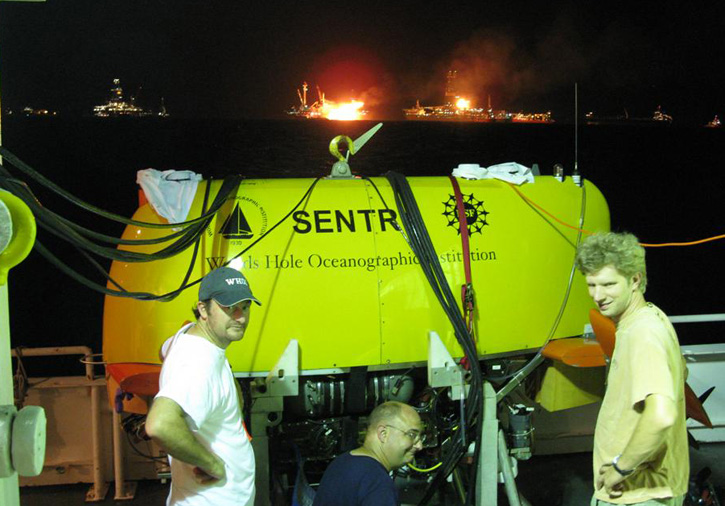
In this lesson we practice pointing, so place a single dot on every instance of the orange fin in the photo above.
(139, 379)
(604, 329)
(575, 351)
(694, 408)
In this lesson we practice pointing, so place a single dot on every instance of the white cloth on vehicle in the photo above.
(170, 192)
(511, 172)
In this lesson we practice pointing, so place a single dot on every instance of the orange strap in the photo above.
(463, 228)
(467, 299)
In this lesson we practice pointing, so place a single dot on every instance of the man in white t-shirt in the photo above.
(197, 415)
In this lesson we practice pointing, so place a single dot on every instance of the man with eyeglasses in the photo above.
(197, 415)
(361, 477)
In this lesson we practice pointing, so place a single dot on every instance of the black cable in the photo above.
(284, 218)
(140, 453)
(422, 246)
(195, 252)
(81, 238)
(396, 225)
(27, 169)
(188, 237)
(61, 228)
(146, 295)
(113, 239)
(420, 243)
(20, 378)
(69, 232)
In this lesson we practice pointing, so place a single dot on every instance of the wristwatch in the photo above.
(623, 472)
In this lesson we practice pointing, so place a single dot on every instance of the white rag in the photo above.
(511, 172)
(170, 192)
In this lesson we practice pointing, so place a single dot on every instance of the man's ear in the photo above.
(636, 281)
(201, 307)
(382, 433)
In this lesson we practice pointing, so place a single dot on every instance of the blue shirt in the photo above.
(356, 480)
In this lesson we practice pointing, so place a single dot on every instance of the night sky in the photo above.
(242, 59)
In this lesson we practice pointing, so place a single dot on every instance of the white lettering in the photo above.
(236, 281)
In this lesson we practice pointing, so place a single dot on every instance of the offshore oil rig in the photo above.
(457, 108)
(305, 110)
(117, 106)
(326, 109)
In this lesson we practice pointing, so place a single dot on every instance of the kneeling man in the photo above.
(361, 477)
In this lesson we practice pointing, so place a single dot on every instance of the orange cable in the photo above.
(646, 245)
(691, 243)
(528, 200)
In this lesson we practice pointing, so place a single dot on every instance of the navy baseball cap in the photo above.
(227, 286)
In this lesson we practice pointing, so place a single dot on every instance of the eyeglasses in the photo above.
(414, 435)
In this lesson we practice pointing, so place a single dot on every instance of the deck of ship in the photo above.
(550, 480)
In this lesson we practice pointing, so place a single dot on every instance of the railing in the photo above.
(100, 488)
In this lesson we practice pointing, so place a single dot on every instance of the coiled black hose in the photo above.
(85, 241)
(421, 244)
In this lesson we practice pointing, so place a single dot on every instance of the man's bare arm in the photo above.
(167, 426)
(658, 416)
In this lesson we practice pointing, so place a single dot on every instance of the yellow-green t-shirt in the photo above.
(646, 360)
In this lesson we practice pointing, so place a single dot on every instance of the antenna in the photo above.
(576, 177)
(576, 126)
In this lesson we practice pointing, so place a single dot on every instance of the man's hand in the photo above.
(207, 477)
(658, 415)
(611, 480)
(167, 426)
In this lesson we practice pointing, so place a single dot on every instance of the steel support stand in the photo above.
(494, 458)
(504, 462)
(99, 489)
(124, 490)
(260, 445)
(487, 475)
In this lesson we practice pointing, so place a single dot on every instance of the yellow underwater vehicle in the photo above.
(372, 289)
(337, 272)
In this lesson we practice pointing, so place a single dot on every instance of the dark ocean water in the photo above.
(662, 183)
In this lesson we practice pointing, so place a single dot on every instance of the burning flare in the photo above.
(327, 109)
(345, 111)
(463, 104)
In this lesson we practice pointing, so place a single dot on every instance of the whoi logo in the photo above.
(236, 281)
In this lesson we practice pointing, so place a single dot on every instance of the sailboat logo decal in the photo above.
(236, 225)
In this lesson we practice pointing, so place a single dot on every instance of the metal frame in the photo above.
(99, 489)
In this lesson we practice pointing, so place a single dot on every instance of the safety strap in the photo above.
(467, 295)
